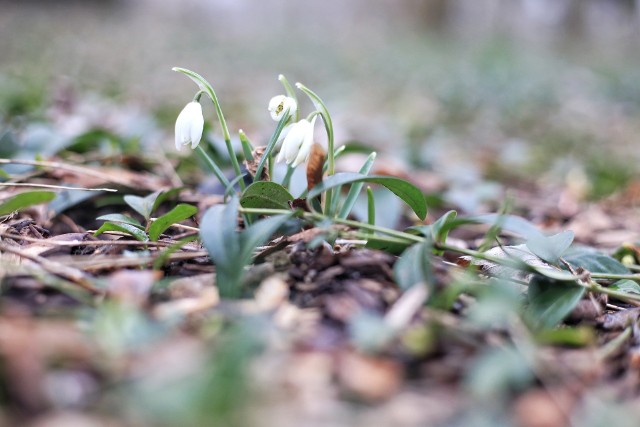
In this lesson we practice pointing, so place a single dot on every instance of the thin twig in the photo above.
(72, 274)
(73, 168)
(58, 187)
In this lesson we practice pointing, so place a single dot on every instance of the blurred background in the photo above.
(498, 88)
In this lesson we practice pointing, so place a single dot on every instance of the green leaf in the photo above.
(575, 337)
(497, 372)
(124, 228)
(177, 214)
(121, 218)
(408, 192)
(594, 261)
(550, 301)
(414, 266)
(550, 248)
(266, 195)
(511, 223)
(24, 200)
(230, 250)
(355, 189)
(439, 230)
(626, 285)
(143, 205)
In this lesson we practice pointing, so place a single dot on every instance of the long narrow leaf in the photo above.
(408, 192)
(356, 188)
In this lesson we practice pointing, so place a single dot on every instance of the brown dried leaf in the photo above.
(315, 164)
(252, 165)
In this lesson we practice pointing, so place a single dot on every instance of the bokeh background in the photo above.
(496, 88)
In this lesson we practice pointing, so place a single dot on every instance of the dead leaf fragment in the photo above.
(369, 378)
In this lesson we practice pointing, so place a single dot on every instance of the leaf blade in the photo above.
(406, 191)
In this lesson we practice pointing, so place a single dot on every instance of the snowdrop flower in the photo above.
(189, 125)
(280, 104)
(298, 142)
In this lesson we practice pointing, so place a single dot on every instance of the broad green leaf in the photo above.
(511, 223)
(124, 228)
(24, 200)
(121, 218)
(175, 215)
(550, 301)
(414, 266)
(594, 261)
(408, 192)
(266, 195)
(143, 205)
(550, 248)
(219, 236)
(627, 285)
(4, 175)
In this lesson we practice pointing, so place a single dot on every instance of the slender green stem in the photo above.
(614, 345)
(595, 287)
(214, 167)
(328, 125)
(271, 145)
(291, 93)
(635, 277)
(287, 177)
(206, 87)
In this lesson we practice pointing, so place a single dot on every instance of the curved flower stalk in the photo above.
(205, 87)
(189, 126)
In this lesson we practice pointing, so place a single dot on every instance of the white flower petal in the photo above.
(280, 104)
(305, 147)
(189, 125)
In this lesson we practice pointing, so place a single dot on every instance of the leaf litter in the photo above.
(95, 329)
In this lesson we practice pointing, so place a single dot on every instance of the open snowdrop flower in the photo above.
(189, 125)
(297, 143)
(279, 105)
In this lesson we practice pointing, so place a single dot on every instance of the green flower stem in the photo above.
(595, 287)
(614, 345)
(290, 93)
(214, 167)
(206, 87)
(287, 177)
(328, 125)
(271, 145)
(603, 276)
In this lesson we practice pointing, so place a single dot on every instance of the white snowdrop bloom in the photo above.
(189, 125)
(280, 104)
(297, 144)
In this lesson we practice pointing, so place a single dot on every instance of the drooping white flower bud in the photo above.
(297, 144)
(189, 125)
(279, 105)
